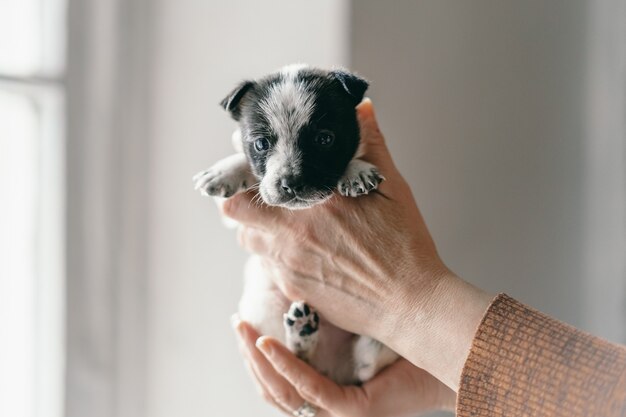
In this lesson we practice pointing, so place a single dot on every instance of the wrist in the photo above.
(435, 328)
(446, 398)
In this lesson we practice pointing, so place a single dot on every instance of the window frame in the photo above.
(107, 175)
(94, 178)
(47, 91)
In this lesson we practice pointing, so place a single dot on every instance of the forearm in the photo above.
(525, 363)
(436, 333)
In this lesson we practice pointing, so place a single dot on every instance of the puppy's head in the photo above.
(299, 131)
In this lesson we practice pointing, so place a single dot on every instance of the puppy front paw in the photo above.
(226, 178)
(301, 326)
(218, 183)
(360, 178)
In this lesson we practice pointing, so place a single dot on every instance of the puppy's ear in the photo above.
(232, 100)
(354, 85)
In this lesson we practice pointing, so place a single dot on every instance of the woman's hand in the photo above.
(287, 382)
(369, 265)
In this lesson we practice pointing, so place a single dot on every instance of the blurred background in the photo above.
(117, 280)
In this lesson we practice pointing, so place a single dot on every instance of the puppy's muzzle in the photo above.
(293, 192)
(290, 186)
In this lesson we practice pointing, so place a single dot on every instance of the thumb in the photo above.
(372, 146)
(310, 384)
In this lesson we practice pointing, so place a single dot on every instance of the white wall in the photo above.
(201, 50)
(507, 118)
(487, 108)
(605, 168)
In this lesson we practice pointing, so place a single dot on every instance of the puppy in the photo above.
(298, 139)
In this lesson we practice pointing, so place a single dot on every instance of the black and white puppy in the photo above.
(298, 139)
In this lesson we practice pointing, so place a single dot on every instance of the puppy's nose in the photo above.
(290, 185)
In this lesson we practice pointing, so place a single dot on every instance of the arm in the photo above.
(286, 382)
(370, 266)
(524, 363)
(370, 257)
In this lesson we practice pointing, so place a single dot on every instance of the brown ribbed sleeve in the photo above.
(524, 363)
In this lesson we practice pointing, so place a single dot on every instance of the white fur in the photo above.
(235, 139)
(287, 108)
(360, 178)
(262, 304)
(226, 178)
(285, 159)
(344, 357)
(293, 69)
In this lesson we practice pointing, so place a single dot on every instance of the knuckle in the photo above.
(289, 259)
(313, 392)
(276, 254)
(282, 366)
(230, 207)
(268, 264)
(283, 397)
(377, 133)
(291, 290)
(307, 233)
(256, 241)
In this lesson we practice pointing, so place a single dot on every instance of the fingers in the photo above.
(255, 240)
(279, 263)
(275, 388)
(370, 132)
(313, 387)
(248, 208)
(261, 389)
(372, 140)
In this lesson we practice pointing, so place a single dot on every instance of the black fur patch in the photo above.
(336, 93)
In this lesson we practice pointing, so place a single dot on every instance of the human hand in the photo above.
(369, 265)
(287, 382)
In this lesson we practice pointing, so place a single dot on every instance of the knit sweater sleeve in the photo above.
(524, 363)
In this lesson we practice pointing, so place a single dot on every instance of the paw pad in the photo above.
(301, 320)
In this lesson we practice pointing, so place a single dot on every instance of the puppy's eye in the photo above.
(261, 144)
(324, 139)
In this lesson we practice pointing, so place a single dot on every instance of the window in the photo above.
(31, 216)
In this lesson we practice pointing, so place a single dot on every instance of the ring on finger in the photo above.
(305, 410)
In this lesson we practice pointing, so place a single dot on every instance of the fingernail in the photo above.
(263, 345)
(365, 102)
